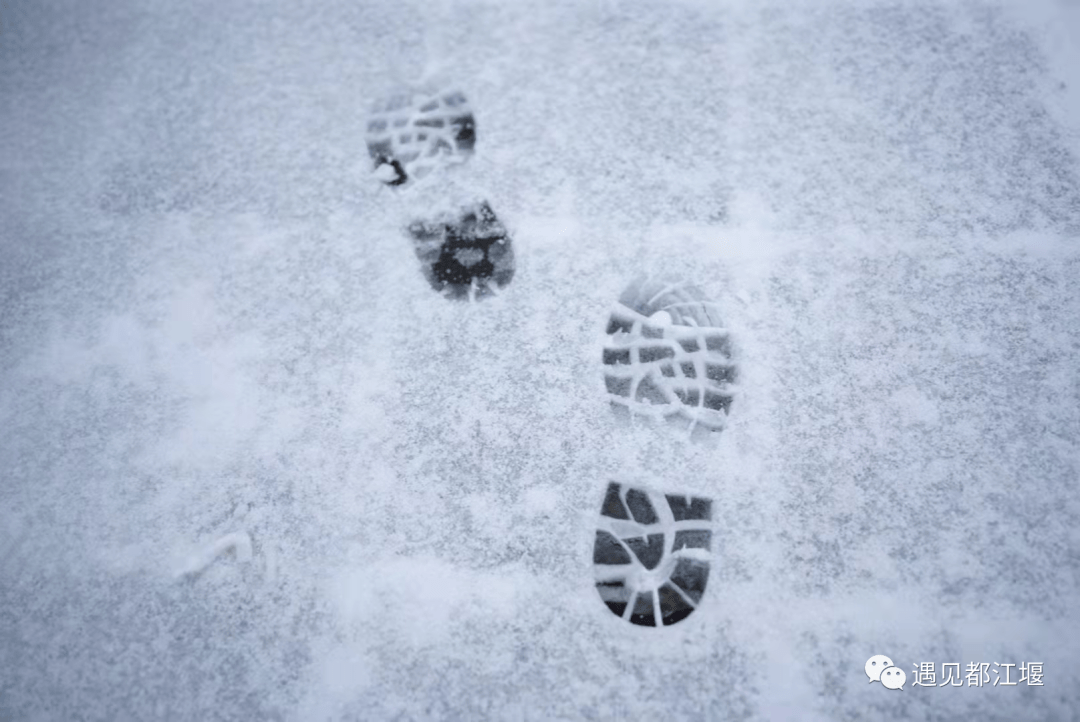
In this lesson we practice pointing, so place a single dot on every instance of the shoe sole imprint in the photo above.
(469, 256)
(669, 356)
(651, 555)
(411, 134)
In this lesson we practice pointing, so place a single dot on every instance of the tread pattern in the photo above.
(469, 256)
(668, 355)
(651, 554)
(411, 134)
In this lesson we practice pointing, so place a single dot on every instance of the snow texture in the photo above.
(213, 323)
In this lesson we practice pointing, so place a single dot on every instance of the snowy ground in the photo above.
(212, 323)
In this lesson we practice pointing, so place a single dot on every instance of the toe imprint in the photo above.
(411, 134)
(668, 355)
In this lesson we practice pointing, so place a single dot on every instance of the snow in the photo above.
(218, 355)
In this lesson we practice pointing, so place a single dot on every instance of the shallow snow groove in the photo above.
(239, 542)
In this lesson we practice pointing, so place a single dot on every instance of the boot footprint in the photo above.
(467, 255)
(412, 133)
(668, 355)
(651, 554)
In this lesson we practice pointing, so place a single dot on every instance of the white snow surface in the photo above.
(253, 467)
